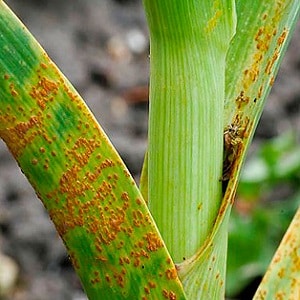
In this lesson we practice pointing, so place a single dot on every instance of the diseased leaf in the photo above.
(94, 203)
(282, 280)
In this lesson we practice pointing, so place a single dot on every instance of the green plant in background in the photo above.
(268, 197)
(212, 66)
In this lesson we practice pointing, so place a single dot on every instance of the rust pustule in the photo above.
(44, 91)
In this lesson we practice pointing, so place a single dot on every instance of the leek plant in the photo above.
(212, 67)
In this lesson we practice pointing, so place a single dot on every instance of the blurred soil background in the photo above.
(103, 49)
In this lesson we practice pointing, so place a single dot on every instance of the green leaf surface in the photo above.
(188, 45)
(94, 203)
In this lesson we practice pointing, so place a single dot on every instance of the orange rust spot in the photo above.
(171, 274)
(74, 260)
(120, 245)
(172, 296)
(107, 164)
(165, 293)
(97, 246)
(44, 92)
(242, 99)
(42, 150)
(18, 137)
(101, 258)
(71, 185)
(53, 153)
(107, 278)
(147, 290)
(271, 62)
(126, 173)
(280, 295)
(153, 241)
(277, 258)
(120, 279)
(137, 257)
(126, 260)
(44, 66)
(138, 201)
(137, 262)
(260, 90)
(138, 218)
(144, 253)
(6, 76)
(82, 150)
(169, 295)
(14, 93)
(281, 273)
(282, 37)
(34, 161)
(91, 176)
(140, 244)
(125, 196)
(46, 138)
(252, 73)
(152, 285)
(104, 190)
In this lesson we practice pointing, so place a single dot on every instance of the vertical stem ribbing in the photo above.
(186, 118)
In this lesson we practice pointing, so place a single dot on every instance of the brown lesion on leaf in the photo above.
(74, 260)
(242, 100)
(276, 54)
(18, 137)
(171, 274)
(260, 91)
(263, 39)
(138, 256)
(138, 219)
(153, 241)
(13, 90)
(82, 150)
(70, 184)
(282, 37)
(43, 66)
(170, 295)
(44, 91)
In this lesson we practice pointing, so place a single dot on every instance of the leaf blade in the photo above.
(94, 203)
